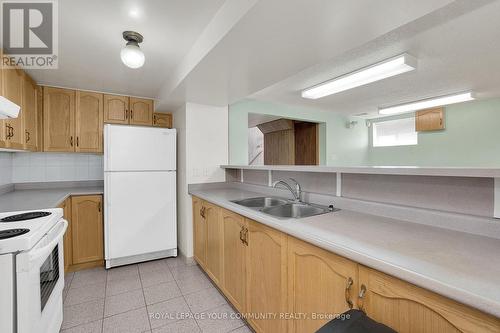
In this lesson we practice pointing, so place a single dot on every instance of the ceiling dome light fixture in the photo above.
(131, 54)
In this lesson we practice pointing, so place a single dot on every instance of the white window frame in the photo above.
(402, 138)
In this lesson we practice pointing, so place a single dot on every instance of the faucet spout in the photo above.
(296, 193)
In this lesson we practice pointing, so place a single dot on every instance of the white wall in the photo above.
(49, 167)
(183, 213)
(5, 168)
(202, 144)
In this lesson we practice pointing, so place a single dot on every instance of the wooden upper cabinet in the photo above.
(199, 232)
(39, 106)
(319, 282)
(162, 120)
(58, 120)
(12, 86)
(116, 109)
(214, 241)
(89, 122)
(234, 258)
(407, 308)
(266, 290)
(87, 228)
(429, 120)
(30, 114)
(141, 111)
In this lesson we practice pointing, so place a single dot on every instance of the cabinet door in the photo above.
(87, 228)
(407, 308)
(68, 244)
(266, 277)
(12, 90)
(30, 114)
(429, 120)
(58, 120)
(319, 282)
(116, 109)
(89, 122)
(214, 241)
(162, 120)
(234, 258)
(141, 111)
(200, 232)
(39, 112)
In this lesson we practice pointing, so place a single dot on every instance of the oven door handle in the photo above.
(44, 251)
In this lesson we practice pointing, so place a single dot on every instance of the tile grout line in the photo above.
(104, 305)
(184, 298)
(144, 298)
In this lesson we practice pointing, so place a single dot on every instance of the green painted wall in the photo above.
(471, 138)
(338, 144)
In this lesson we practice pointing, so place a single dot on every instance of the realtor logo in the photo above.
(29, 34)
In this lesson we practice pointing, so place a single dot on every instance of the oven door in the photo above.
(40, 282)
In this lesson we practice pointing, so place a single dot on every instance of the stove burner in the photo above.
(9, 233)
(24, 216)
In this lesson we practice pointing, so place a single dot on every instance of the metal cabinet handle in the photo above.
(27, 136)
(245, 236)
(348, 286)
(131, 114)
(202, 211)
(154, 119)
(241, 234)
(361, 297)
(99, 207)
(77, 141)
(126, 114)
(71, 141)
(8, 133)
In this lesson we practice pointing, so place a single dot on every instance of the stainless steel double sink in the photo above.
(284, 208)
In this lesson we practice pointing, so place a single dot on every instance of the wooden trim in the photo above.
(87, 265)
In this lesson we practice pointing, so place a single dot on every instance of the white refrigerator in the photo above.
(139, 193)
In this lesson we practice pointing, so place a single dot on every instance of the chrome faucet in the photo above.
(296, 193)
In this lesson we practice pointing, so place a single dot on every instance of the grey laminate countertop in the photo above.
(458, 265)
(40, 198)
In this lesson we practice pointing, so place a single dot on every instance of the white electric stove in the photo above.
(32, 271)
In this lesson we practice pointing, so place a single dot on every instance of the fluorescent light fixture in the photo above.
(379, 71)
(428, 103)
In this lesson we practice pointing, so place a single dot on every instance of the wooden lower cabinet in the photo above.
(83, 240)
(408, 308)
(199, 233)
(214, 241)
(266, 277)
(234, 254)
(68, 244)
(320, 284)
(265, 272)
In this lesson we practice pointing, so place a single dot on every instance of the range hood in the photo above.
(8, 109)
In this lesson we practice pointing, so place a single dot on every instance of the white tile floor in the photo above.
(159, 296)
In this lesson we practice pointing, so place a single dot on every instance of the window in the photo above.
(399, 132)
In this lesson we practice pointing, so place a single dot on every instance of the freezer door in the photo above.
(136, 148)
(140, 213)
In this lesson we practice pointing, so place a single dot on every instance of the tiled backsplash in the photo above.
(5, 168)
(48, 167)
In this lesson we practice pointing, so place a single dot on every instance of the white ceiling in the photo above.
(277, 39)
(217, 52)
(458, 49)
(90, 39)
